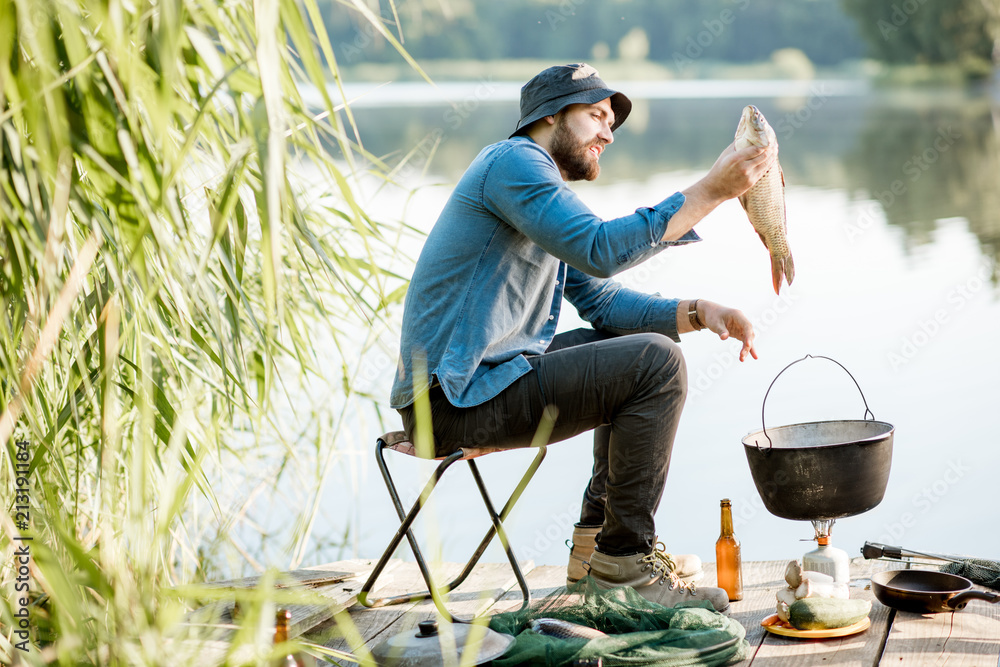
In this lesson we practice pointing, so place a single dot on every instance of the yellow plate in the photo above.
(776, 626)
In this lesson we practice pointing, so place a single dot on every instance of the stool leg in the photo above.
(498, 520)
(405, 529)
(434, 592)
(508, 506)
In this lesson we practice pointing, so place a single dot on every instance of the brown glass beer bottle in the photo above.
(729, 569)
(281, 622)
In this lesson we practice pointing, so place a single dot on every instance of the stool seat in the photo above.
(398, 442)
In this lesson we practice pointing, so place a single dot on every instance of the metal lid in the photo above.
(425, 646)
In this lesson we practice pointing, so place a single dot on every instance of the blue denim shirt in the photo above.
(511, 242)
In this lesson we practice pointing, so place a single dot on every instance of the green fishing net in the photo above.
(639, 632)
(983, 572)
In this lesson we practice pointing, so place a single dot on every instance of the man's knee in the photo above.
(659, 348)
(664, 359)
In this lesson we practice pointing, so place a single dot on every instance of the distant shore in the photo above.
(621, 70)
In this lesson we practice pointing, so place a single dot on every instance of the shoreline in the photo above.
(510, 70)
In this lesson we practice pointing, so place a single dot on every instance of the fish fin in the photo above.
(762, 239)
(782, 267)
(776, 273)
(743, 201)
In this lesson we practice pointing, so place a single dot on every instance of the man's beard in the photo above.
(572, 155)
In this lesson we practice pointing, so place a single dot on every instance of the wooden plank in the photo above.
(487, 583)
(210, 640)
(317, 576)
(966, 638)
(335, 581)
(761, 580)
(372, 626)
(340, 595)
(370, 623)
(861, 649)
(547, 585)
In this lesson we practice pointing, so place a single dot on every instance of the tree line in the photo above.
(966, 32)
(726, 30)
(829, 32)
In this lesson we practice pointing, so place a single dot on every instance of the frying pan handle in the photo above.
(808, 356)
(884, 551)
(962, 599)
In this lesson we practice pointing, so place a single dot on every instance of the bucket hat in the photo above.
(557, 87)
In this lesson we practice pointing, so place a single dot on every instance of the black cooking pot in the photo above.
(926, 591)
(820, 470)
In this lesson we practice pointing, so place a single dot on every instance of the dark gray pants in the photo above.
(629, 389)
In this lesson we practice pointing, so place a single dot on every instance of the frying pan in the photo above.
(926, 591)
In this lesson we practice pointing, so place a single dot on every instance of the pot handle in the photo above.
(808, 356)
(962, 599)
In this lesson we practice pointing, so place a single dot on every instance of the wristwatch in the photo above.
(693, 317)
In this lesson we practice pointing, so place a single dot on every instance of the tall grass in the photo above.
(166, 271)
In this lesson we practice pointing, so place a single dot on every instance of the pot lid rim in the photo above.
(879, 436)
(391, 652)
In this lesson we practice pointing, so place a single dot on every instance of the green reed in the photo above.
(166, 269)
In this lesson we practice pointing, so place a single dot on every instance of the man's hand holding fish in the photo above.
(734, 172)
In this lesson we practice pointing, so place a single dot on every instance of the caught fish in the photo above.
(554, 627)
(765, 201)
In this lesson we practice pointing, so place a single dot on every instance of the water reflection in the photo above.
(924, 157)
(928, 162)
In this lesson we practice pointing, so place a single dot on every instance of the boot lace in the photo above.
(661, 562)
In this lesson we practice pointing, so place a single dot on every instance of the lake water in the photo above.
(893, 204)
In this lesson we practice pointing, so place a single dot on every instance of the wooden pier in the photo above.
(967, 638)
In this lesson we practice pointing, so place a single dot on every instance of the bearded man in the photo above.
(481, 312)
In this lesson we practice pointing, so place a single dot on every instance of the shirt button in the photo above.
(557, 282)
(552, 317)
(542, 342)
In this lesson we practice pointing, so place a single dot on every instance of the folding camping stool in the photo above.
(397, 442)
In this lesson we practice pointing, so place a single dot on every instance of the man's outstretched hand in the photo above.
(728, 322)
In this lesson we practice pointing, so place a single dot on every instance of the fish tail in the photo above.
(782, 267)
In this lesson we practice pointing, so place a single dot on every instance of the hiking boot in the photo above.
(687, 567)
(652, 578)
(584, 540)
